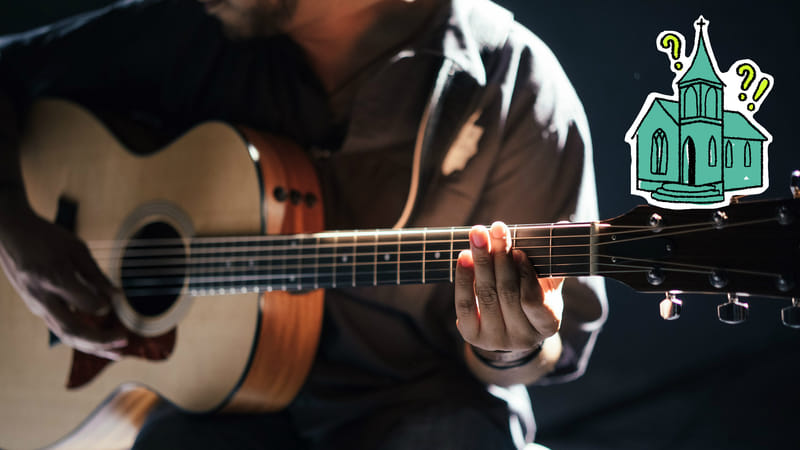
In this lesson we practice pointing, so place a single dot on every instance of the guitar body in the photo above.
(244, 352)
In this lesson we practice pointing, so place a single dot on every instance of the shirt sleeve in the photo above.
(543, 173)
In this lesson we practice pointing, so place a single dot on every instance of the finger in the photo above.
(76, 292)
(81, 335)
(543, 316)
(520, 332)
(491, 329)
(505, 270)
(466, 308)
(92, 274)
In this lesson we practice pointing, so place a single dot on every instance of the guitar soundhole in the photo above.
(153, 269)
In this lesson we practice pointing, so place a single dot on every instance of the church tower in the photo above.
(700, 111)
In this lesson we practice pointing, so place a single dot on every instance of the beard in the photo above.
(262, 19)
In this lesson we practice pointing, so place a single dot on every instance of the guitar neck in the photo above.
(369, 258)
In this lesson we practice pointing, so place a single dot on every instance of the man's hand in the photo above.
(59, 281)
(500, 302)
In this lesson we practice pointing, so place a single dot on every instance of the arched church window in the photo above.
(658, 152)
(690, 102)
(728, 154)
(711, 103)
(712, 152)
(748, 157)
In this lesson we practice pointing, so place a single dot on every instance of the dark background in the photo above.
(695, 382)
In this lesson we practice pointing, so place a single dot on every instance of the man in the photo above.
(355, 82)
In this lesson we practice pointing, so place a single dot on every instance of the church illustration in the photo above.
(689, 148)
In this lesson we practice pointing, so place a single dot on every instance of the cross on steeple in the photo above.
(701, 22)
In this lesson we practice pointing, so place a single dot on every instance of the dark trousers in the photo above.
(437, 428)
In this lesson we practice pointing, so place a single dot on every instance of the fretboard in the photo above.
(369, 258)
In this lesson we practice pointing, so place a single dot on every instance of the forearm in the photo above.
(526, 374)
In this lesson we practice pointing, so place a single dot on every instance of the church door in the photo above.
(690, 160)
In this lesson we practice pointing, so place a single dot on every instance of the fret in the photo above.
(270, 270)
(375, 261)
(316, 263)
(326, 248)
(364, 261)
(291, 264)
(437, 254)
(308, 263)
(399, 238)
(424, 240)
(452, 230)
(335, 255)
(535, 242)
(388, 261)
(344, 260)
(570, 250)
(410, 261)
(550, 252)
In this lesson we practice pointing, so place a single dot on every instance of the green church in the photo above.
(692, 150)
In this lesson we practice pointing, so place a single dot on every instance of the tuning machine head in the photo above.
(670, 307)
(790, 316)
(733, 311)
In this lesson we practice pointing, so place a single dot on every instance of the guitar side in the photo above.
(226, 347)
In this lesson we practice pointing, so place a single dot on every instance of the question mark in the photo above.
(671, 40)
(750, 72)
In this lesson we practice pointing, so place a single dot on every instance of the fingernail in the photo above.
(498, 230)
(477, 237)
(465, 259)
(119, 343)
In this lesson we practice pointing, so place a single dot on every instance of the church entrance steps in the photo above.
(674, 192)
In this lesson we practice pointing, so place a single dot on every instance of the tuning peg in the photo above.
(670, 307)
(790, 316)
(794, 184)
(733, 311)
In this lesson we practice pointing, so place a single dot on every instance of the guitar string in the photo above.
(138, 262)
(171, 242)
(295, 285)
(247, 273)
(348, 267)
(370, 244)
(356, 249)
(223, 277)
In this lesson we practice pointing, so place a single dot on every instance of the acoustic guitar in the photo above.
(209, 236)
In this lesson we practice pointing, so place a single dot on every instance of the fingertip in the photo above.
(479, 236)
(465, 259)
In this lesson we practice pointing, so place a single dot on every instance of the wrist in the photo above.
(503, 359)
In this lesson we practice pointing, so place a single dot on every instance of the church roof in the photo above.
(669, 106)
(737, 126)
(701, 67)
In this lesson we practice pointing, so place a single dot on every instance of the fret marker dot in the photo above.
(386, 257)
(344, 258)
(437, 255)
(291, 277)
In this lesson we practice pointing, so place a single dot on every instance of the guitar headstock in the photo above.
(744, 249)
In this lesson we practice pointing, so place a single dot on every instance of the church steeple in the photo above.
(701, 68)
(700, 87)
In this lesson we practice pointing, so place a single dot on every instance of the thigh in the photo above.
(169, 428)
(427, 428)
(441, 429)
